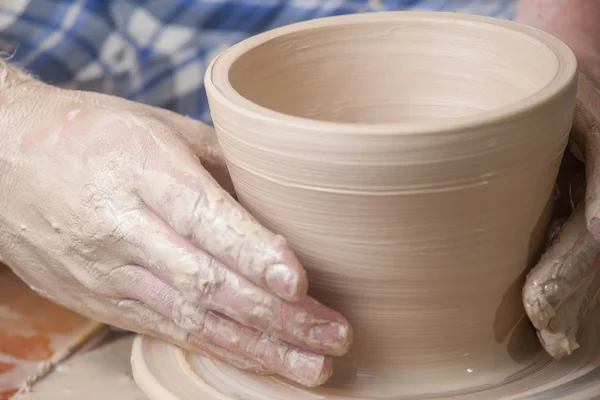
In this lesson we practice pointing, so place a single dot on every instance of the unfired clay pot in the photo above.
(409, 159)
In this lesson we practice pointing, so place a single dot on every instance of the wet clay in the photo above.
(409, 159)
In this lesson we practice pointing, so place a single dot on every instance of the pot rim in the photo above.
(218, 85)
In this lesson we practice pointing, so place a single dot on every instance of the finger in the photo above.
(158, 312)
(232, 338)
(198, 209)
(562, 270)
(559, 338)
(209, 284)
(302, 366)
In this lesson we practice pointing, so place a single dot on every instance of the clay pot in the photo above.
(409, 159)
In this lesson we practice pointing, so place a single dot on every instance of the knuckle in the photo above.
(132, 315)
(122, 272)
(174, 333)
(124, 279)
(274, 324)
(262, 311)
(211, 282)
(222, 330)
(249, 305)
(126, 303)
(107, 216)
(136, 316)
(203, 214)
(91, 276)
(261, 316)
(189, 316)
(201, 280)
(229, 334)
(182, 204)
(216, 225)
(254, 343)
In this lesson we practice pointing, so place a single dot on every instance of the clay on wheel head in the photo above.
(409, 158)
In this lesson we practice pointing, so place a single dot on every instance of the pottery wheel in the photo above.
(166, 372)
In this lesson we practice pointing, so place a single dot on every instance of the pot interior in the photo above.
(388, 72)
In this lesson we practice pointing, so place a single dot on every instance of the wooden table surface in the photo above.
(31, 330)
(102, 374)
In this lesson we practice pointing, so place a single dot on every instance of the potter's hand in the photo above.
(559, 290)
(106, 209)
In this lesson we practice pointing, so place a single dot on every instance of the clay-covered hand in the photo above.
(560, 289)
(108, 207)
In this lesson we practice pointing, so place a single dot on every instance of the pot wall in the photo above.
(421, 239)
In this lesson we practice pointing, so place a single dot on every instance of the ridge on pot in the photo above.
(409, 159)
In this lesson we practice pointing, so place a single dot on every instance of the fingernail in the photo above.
(333, 337)
(307, 368)
(282, 280)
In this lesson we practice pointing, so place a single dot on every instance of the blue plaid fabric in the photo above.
(156, 51)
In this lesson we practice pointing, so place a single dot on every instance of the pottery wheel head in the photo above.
(166, 372)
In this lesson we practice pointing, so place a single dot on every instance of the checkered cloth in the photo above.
(156, 51)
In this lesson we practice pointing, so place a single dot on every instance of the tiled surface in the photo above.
(31, 330)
